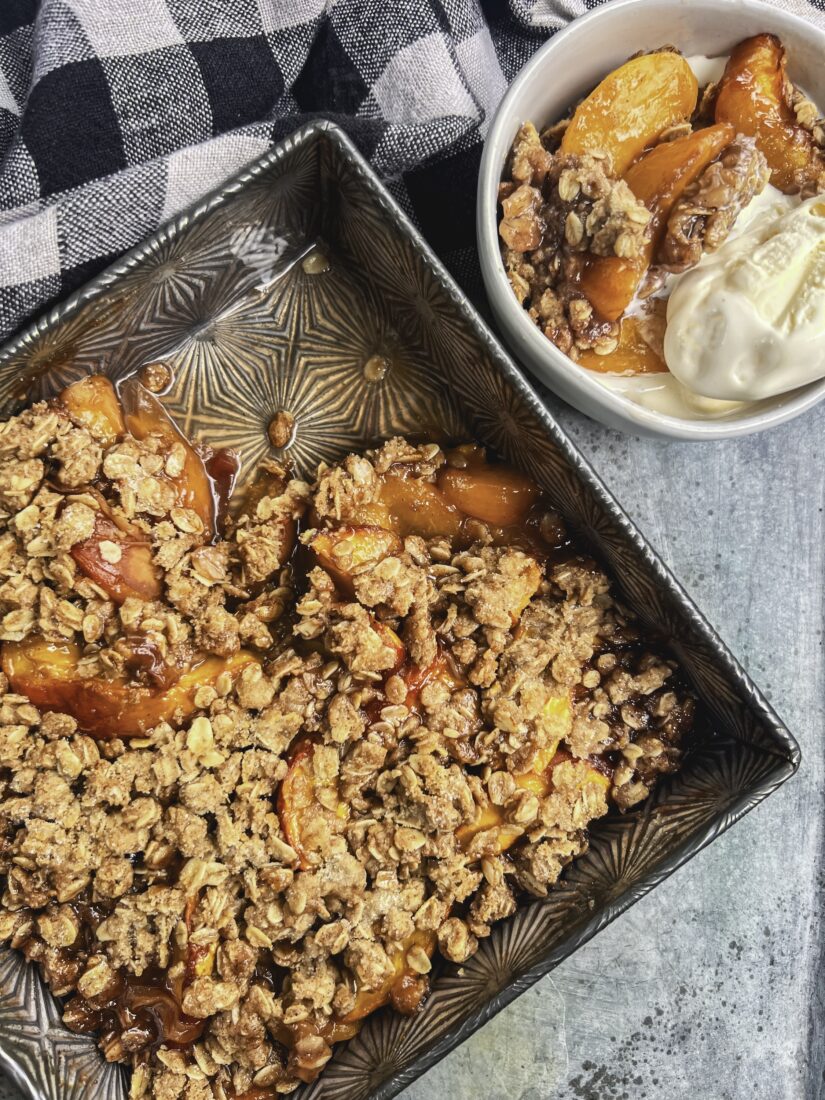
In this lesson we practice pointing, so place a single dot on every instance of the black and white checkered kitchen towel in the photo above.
(115, 114)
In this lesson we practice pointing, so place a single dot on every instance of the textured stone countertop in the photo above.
(712, 986)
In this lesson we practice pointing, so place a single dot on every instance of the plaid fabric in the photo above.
(116, 114)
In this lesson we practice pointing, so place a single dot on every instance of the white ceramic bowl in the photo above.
(562, 71)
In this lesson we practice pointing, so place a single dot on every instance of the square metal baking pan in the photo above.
(301, 288)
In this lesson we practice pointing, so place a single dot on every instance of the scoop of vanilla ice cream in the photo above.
(749, 322)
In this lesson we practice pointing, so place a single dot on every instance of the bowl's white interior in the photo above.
(557, 76)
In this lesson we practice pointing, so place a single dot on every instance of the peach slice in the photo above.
(332, 1029)
(296, 798)
(556, 721)
(490, 817)
(658, 180)
(631, 107)
(92, 403)
(634, 355)
(405, 987)
(262, 1092)
(540, 782)
(344, 550)
(752, 96)
(372, 514)
(49, 676)
(442, 668)
(145, 416)
(408, 506)
(305, 818)
(416, 507)
(199, 962)
(661, 175)
(498, 495)
(202, 481)
(120, 563)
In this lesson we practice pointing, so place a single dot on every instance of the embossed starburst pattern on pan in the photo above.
(299, 296)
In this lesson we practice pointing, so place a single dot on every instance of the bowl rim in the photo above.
(523, 338)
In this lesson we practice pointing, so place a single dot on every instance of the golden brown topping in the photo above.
(702, 218)
(225, 859)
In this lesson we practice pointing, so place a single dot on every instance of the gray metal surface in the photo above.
(711, 986)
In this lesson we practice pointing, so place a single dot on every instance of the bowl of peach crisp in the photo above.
(651, 217)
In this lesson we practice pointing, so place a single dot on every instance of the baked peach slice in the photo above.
(93, 404)
(190, 960)
(115, 556)
(391, 640)
(49, 676)
(658, 180)
(631, 107)
(344, 551)
(752, 96)
(408, 506)
(634, 355)
(145, 416)
(498, 495)
(118, 561)
(405, 988)
(442, 668)
(308, 809)
(416, 507)
(331, 1029)
(538, 780)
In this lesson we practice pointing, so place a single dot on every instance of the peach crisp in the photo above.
(262, 766)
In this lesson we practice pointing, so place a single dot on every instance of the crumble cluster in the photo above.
(559, 209)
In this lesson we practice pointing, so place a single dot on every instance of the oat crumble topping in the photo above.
(704, 215)
(256, 771)
(557, 210)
